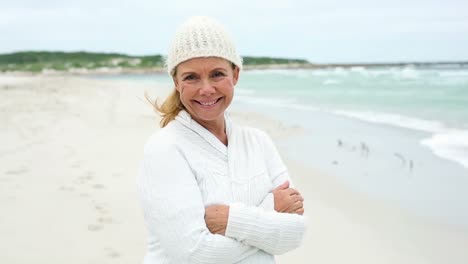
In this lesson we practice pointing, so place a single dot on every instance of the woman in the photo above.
(211, 191)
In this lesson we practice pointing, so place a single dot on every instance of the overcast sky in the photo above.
(317, 30)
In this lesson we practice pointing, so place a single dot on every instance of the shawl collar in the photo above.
(185, 119)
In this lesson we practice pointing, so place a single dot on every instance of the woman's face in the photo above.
(206, 87)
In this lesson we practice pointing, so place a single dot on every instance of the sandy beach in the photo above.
(70, 148)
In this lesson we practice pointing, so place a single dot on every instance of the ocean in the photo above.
(433, 100)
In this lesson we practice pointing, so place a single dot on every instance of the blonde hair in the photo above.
(169, 109)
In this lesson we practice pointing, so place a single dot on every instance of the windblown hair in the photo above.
(169, 109)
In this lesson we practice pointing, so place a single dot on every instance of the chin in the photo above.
(208, 117)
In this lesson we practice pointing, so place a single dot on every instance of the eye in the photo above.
(189, 77)
(217, 74)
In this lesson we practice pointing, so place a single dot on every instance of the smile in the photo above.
(210, 103)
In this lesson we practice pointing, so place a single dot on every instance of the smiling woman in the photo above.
(206, 87)
(212, 191)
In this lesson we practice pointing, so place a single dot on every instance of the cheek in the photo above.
(227, 84)
(186, 93)
(182, 90)
(230, 91)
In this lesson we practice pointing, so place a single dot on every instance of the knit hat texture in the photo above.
(201, 37)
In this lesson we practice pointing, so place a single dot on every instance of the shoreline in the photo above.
(386, 163)
(71, 148)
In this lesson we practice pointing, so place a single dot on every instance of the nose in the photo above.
(207, 88)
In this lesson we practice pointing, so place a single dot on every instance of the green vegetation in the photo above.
(37, 61)
(61, 61)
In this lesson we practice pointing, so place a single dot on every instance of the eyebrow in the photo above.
(216, 69)
(187, 73)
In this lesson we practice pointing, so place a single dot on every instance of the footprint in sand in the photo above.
(69, 152)
(88, 176)
(85, 178)
(94, 227)
(76, 165)
(99, 186)
(105, 220)
(6, 179)
(17, 172)
(81, 181)
(112, 253)
(100, 209)
(66, 189)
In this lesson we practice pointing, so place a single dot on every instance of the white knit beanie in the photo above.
(201, 37)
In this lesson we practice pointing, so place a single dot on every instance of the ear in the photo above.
(236, 74)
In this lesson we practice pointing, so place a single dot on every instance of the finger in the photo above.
(298, 205)
(297, 197)
(283, 186)
(289, 203)
(292, 191)
(300, 211)
(294, 206)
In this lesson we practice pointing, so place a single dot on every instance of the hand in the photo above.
(288, 200)
(216, 218)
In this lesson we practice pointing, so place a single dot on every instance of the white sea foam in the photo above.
(397, 120)
(409, 73)
(240, 91)
(380, 72)
(447, 143)
(340, 71)
(322, 73)
(452, 145)
(394, 120)
(452, 73)
(330, 82)
(358, 69)
(361, 70)
(284, 72)
(264, 101)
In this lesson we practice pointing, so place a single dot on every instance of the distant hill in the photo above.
(37, 61)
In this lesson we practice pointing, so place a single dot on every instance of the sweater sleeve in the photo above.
(268, 203)
(270, 231)
(174, 211)
(262, 227)
(275, 165)
(276, 169)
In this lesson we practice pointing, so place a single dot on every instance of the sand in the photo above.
(70, 149)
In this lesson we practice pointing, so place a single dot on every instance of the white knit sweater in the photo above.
(186, 168)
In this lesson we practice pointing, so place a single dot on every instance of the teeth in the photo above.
(208, 103)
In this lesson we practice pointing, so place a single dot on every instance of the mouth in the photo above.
(207, 104)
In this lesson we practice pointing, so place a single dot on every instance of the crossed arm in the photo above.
(286, 200)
